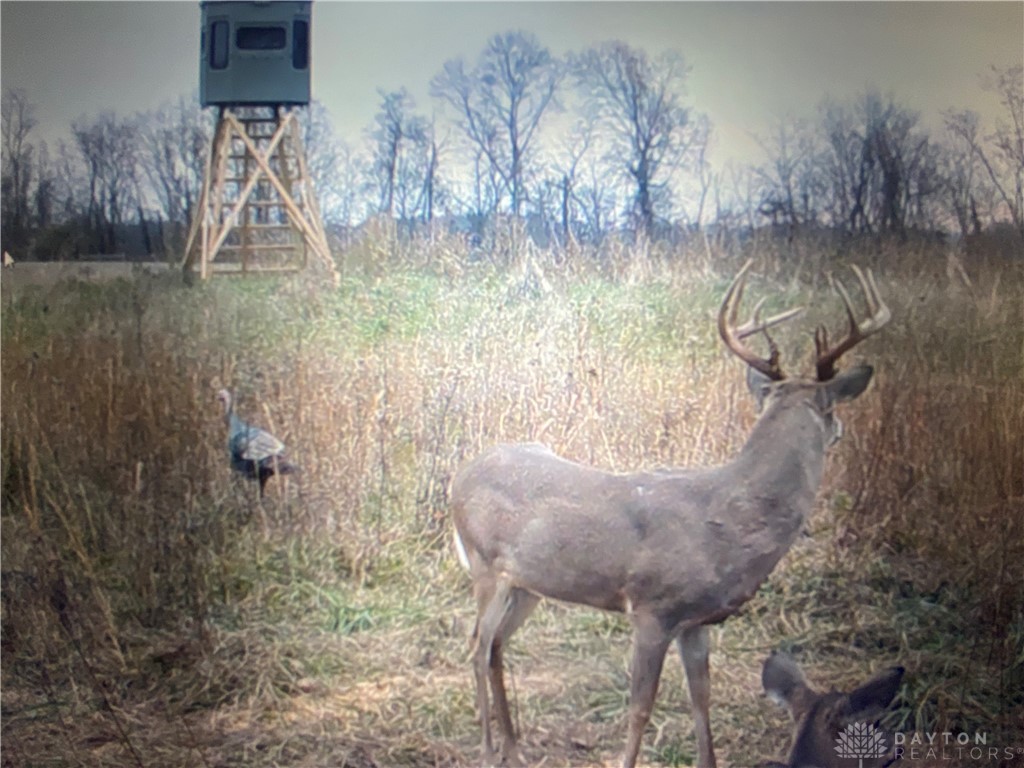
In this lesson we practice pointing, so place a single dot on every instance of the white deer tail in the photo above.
(460, 549)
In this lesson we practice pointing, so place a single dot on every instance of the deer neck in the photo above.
(784, 456)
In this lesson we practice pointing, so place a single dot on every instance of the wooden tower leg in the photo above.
(253, 216)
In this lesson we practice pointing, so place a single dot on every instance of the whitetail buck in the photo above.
(835, 729)
(675, 550)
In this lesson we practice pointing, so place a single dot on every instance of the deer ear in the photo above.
(782, 679)
(849, 384)
(875, 694)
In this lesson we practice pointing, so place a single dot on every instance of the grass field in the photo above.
(47, 274)
(154, 613)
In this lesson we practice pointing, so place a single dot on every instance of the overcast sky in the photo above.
(749, 61)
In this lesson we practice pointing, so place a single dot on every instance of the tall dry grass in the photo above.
(936, 490)
(150, 599)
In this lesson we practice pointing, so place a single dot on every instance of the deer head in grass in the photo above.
(838, 729)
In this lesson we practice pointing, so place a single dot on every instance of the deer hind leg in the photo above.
(502, 610)
(521, 605)
(693, 648)
(485, 589)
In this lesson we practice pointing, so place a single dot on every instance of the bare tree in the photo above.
(841, 164)
(486, 188)
(70, 183)
(60, 227)
(595, 195)
(338, 173)
(173, 145)
(44, 197)
(406, 156)
(1008, 140)
(394, 128)
(500, 103)
(789, 179)
(109, 147)
(432, 192)
(879, 167)
(1001, 153)
(639, 101)
(901, 154)
(702, 168)
(736, 198)
(923, 188)
(561, 186)
(345, 198)
(17, 118)
(961, 168)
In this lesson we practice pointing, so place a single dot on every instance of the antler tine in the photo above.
(880, 313)
(733, 335)
(878, 316)
(754, 325)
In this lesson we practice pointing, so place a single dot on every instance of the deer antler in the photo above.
(879, 316)
(733, 335)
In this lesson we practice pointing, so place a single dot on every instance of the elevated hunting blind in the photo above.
(258, 211)
(254, 53)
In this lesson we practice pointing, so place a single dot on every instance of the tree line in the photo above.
(600, 141)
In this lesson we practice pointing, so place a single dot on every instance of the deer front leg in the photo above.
(693, 648)
(649, 646)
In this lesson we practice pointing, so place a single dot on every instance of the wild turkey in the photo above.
(255, 453)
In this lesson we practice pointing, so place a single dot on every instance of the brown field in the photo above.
(154, 614)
